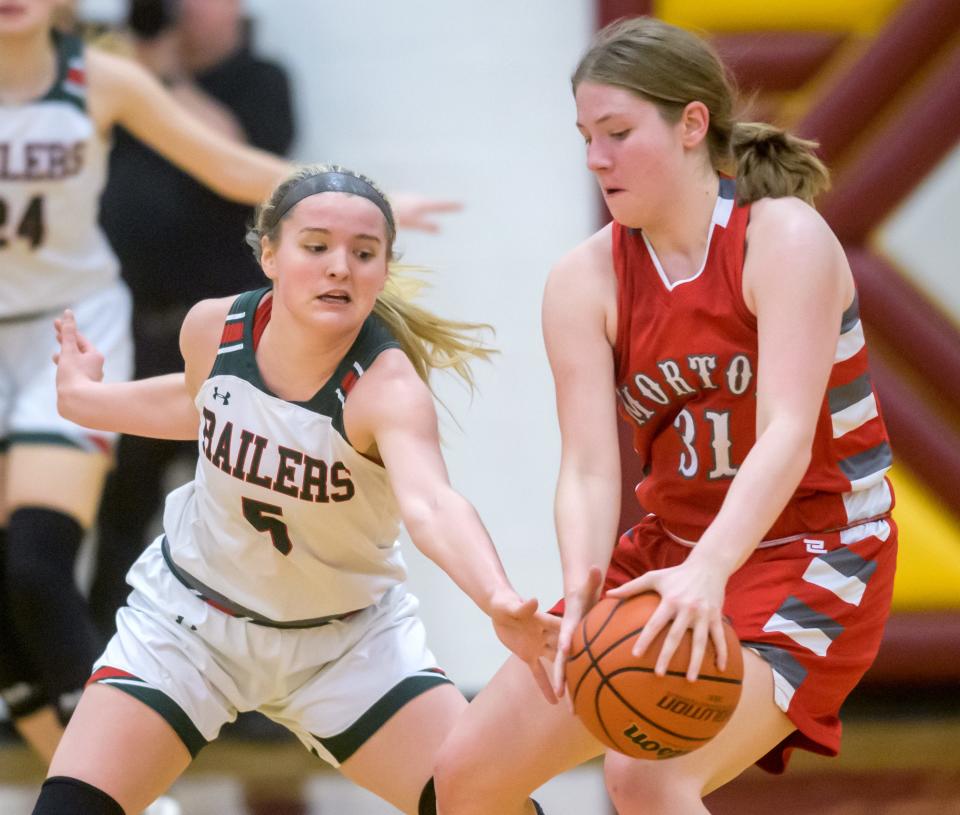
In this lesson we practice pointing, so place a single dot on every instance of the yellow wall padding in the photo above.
(857, 16)
(928, 564)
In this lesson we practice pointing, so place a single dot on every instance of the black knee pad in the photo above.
(61, 795)
(428, 800)
(50, 616)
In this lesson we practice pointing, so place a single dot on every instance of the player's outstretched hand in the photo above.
(78, 361)
(529, 633)
(576, 604)
(413, 211)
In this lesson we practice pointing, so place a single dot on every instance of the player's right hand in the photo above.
(576, 604)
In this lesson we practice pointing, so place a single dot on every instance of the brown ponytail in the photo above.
(772, 163)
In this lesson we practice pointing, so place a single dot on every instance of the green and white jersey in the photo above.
(285, 522)
(53, 164)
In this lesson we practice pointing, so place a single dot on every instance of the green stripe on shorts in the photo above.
(171, 712)
(345, 744)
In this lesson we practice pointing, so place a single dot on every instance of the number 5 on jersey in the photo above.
(266, 518)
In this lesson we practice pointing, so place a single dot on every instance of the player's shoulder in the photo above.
(113, 80)
(584, 276)
(109, 68)
(203, 325)
(391, 376)
(200, 338)
(788, 222)
(390, 396)
(593, 255)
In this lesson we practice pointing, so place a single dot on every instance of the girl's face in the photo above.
(634, 153)
(330, 261)
(19, 17)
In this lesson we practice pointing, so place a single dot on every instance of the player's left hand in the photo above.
(691, 597)
(78, 360)
(413, 211)
(528, 633)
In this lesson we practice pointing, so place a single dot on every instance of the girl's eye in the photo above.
(364, 254)
(316, 247)
(620, 135)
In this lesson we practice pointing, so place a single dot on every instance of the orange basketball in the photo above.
(628, 707)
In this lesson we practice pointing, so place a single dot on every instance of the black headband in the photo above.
(332, 181)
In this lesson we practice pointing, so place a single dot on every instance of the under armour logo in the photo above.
(224, 396)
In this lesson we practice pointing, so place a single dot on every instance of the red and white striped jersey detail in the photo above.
(686, 367)
(75, 80)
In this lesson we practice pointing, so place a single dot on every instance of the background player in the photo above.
(278, 584)
(59, 102)
(722, 315)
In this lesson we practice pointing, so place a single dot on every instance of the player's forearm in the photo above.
(758, 494)
(449, 532)
(159, 407)
(586, 511)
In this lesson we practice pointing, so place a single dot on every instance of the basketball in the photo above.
(628, 707)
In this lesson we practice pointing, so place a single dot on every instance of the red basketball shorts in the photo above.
(813, 608)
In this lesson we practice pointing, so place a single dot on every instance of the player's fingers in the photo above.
(543, 681)
(651, 628)
(593, 583)
(560, 661)
(633, 587)
(671, 642)
(66, 327)
(83, 344)
(526, 609)
(719, 637)
(444, 205)
(550, 643)
(698, 647)
(550, 622)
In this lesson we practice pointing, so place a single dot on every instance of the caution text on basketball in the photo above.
(693, 710)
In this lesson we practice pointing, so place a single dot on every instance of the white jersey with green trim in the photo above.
(284, 521)
(53, 165)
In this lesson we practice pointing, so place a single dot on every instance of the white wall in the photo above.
(469, 101)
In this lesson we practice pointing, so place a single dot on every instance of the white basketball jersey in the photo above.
(284, 521)
(52, 170)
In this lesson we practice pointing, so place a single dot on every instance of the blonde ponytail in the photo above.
(431, 342)
(772, 163)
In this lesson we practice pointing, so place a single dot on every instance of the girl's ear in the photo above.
(268, 258)
(694, 124)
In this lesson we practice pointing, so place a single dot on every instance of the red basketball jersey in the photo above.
(686, 369)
